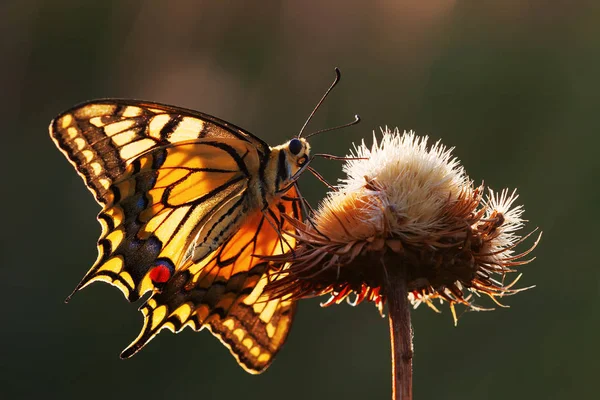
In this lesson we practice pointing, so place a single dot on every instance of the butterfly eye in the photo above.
(295, 146)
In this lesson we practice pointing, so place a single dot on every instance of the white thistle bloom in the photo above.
(412, 185)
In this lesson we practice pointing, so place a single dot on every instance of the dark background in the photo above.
(514, 85)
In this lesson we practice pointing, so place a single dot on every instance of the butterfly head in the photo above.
(292, 158)
(297, 155)
(298, 149)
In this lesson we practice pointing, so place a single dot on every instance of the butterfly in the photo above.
(190, 206)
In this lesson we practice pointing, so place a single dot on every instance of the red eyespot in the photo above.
(160, 274)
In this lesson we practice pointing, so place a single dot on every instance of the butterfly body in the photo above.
(189, 204)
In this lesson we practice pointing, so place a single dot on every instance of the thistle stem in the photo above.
(401, 334)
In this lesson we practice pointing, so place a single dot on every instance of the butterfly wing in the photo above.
(223, 291)
(160, 173)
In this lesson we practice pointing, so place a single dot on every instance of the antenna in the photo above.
(356, 121)
(335, 82)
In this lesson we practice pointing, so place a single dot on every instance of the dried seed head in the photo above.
(404, 205)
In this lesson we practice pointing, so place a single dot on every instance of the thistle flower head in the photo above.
(404, 204)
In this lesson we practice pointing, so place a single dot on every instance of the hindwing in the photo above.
(159, 208)
(224, 291)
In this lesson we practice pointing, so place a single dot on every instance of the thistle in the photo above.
(406, 225)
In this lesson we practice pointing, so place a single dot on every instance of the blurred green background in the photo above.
(514, 85)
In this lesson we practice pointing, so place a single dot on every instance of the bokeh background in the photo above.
(513, 84)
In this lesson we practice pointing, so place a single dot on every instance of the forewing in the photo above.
(224, 291)
(101, 137)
